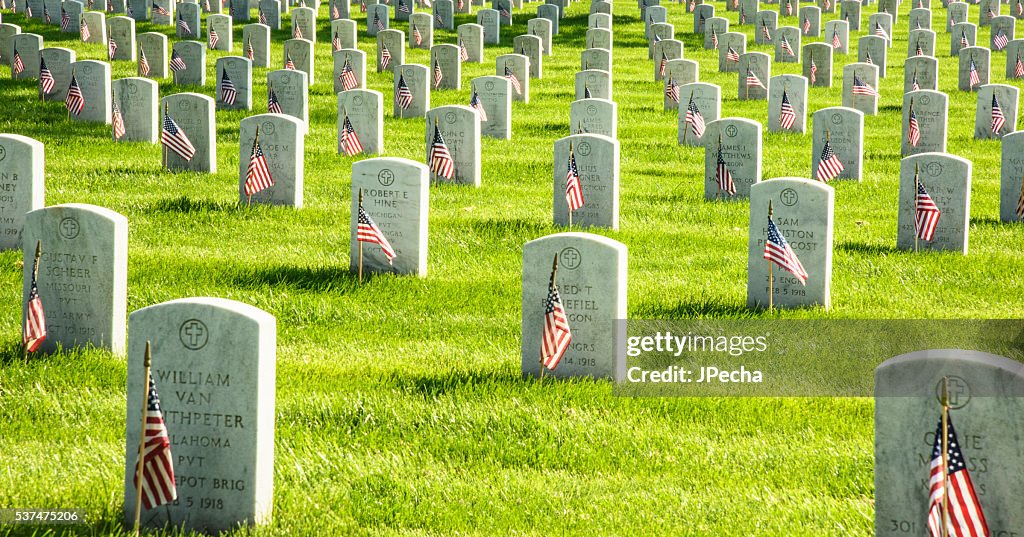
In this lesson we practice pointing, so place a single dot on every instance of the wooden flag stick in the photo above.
(718, 180)
(554, 272)
(686, 126)
(945, 456)
(35, 277)
(357, 237)
(148, 360)
(771, 277)
(917, 182)
(255, 142)
(164, 147)
(568, 207)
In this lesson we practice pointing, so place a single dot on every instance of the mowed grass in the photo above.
(400, 407)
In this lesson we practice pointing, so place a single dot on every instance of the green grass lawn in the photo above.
(400, 407)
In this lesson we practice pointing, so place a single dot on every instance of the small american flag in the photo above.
(206, 6)
(1018, 70)
(714, 39)
(416, 35)
(143, 63)
(403, 7)
(74, 102)
(867, 59)
(990, 14)
(385, 56)
(335, 42)
(288, 63)
(663, 65)
(257, 176)
(213, 38)
(787, 115)
(913, 130)
(786, 47)
(860, 88)
(460, 5)
(34, 332)
(367, 231)
(880, 32)
(743, 17)
(296, 30)
(83, 30)
(997, 116)
(441, 162)
(262, 17)
(814, 71)
(722, 174)
(28, 10)
(963, 39)
(827, 4)
(350, 143)
(829, 165)
(273, 105)
(965, 517)
(694, 118)
(377, 23)
(586, 92)
(335, 13)
(228, 93)
(1000, 40)
(692, 6)
(249, 52)
(556, 335)
(731, 55)
(175, 139)
(504, 13)
(919, 51)
(915, 86)
(463, 51)
(511, 76)
(438, 75)
(348, 76)
(807, 25)
(1020, 202)
(476, 104)
(789, 8)
(160, 10)
(1020, 8)
(975, 78)
(65, 20)
(117, 121)
(765, 34)
(753, 81)
(573, 189)
(438, 22)
(836, 43)
(183, 26)
(362, 6)
(46, 81)
(158, 487)
(777, 250)
(672, 90)
(46, 15)
(110, 5)
(111, 48)
(177, 63)
(404, 95)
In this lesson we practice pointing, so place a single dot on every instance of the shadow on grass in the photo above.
(871, 249)
(988, 221)
(517, 226)
(700, 308)
(448, 382)
(327, 278)
(184, 204)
